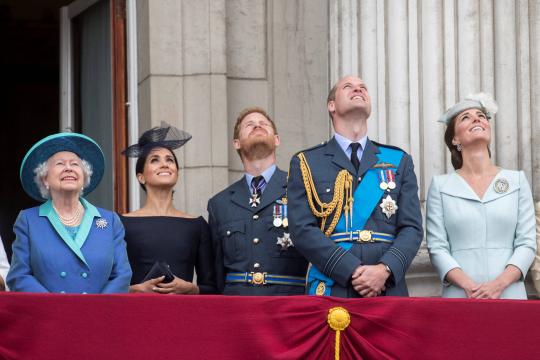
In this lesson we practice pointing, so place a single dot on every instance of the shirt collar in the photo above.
(267, 174)
(344, 143)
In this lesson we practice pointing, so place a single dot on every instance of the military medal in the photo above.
(277, 216)
(383, 184)
(388, 206)
(501, 186)
(285, 241)
(285, 221)
(254, 200)
(392, 182)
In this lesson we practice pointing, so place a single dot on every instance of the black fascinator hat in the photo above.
(166, 136)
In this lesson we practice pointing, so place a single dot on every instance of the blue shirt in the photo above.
(266, 174)
(345, 145)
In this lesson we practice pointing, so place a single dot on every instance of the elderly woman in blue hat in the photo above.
(67, 245)
(480, 218)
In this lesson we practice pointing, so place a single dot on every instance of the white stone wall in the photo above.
(201, 62)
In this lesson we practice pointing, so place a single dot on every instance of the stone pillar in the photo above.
(277, 58)
(182, 80)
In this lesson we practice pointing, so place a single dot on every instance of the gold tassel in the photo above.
(338, 320)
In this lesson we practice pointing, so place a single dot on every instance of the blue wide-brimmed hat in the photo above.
(85, 148)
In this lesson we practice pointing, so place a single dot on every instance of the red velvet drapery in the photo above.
(45, 326)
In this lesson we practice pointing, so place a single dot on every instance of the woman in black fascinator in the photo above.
(164, 244)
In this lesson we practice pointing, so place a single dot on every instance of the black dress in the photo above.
(184, 243)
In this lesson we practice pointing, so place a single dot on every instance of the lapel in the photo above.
(339, 157)
(240, 194)
(75, 245)
(90, 213)
(457, 186)
(274, 189)
(369, 157)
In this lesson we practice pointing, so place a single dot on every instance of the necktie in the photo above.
(257, 184)
(354, 155)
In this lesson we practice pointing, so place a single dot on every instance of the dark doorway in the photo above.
(29, 94)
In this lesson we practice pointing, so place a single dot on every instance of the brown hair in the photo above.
(246, 112)
(456, 158)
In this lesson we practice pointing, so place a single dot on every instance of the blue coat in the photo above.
(481, 236)
(325, 161)
(47, 259)
(245, 240)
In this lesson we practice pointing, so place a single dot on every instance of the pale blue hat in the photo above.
(481, 101)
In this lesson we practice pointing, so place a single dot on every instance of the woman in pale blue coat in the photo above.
(480, 218)
(67, 245)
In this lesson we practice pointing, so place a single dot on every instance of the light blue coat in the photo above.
(481, 236)
(47, 259)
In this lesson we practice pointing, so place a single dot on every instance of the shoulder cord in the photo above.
(342, 193)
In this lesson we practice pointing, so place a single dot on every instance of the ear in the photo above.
(455, 141)
(331, 106)
(140, 178)
(277, 140)
(236, 144)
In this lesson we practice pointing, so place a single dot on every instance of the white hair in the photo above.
(41, 173)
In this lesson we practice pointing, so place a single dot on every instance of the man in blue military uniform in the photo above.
(353, 205)
(255, 254)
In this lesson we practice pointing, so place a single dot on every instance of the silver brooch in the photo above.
(101, 223)
(388, 206)
(285, 241)
(501, 186)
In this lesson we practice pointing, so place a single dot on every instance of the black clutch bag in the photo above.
(160, 268)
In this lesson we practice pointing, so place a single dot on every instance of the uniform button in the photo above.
(255, 217)
(327, 189)
(359, 178)
(228, 232)
(256, 240)
(63, 274)
(84, 275)
(256, 265)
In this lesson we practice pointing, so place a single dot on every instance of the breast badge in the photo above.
(285, 241)
(388, 206)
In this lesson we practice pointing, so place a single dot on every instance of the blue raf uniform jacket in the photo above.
(338, 264)
(245, 241)
(47, 259)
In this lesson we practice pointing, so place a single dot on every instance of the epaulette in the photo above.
(388, 146)
(312, 148)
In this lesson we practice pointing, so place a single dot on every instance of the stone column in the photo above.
(182, 80)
